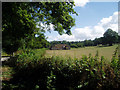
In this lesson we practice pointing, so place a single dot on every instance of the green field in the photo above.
(107, 52)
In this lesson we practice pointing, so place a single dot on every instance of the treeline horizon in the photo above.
(109, 38)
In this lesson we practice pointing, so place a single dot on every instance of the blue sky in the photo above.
(93, 19)
(93, 12)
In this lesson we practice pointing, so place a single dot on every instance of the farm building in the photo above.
(60, 47)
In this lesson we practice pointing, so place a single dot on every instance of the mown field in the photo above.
(107, 52)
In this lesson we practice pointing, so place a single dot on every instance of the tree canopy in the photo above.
(110, 37)
(20, 21)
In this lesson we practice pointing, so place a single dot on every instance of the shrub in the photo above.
(38, 72)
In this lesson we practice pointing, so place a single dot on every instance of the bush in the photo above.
(39, 72)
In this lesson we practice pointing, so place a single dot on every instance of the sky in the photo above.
(93, 19)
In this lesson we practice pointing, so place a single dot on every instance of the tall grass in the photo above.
(78, 52)
(38, 72)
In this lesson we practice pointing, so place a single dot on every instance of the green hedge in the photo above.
(38, 72)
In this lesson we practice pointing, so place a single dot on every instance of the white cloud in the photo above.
(91, 32)
(65, 37)
(51, 26)
(82, 33)
(110, 22)
(45, 26)
(81, 3)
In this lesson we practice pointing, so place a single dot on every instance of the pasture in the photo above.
(107, 52)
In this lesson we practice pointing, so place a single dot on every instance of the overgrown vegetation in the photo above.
(6, 73)
(23, 28)
(38, 72)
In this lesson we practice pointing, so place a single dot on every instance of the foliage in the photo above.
(39, 72)
(23, 20)
(37, 42)
(17, 24)
(6, 73)
(97, 41)
(110, 37)
(73, 46)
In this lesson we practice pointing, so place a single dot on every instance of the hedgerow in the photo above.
(39, 72)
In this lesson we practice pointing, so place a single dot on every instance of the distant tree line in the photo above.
(109, 38)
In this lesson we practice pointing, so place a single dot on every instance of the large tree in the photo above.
(110, 37)
(20, 20)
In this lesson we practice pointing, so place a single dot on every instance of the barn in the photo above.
(60, 47)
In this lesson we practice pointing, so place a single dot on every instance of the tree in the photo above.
(20, 20)
(73, 46)
(17, 25)
(88, 43)
(80, 44)
(110, 37)
(38, 42)
(97, 41)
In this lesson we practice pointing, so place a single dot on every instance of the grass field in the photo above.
(107, 52)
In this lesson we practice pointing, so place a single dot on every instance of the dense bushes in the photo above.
(33, 72)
